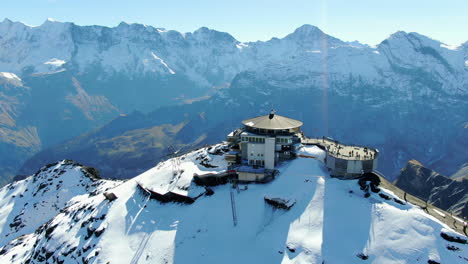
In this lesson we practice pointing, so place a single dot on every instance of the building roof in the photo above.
(272, 121)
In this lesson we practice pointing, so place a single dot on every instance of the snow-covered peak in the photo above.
(327, 221)
(7, 25)
(27, 204)
(6, 21)
(413, 52)
(123, 24)
(313, 36)
(51, 24)
(210, 35)
(415, 39)
(50, 20)
(307, 30)
(398, 34)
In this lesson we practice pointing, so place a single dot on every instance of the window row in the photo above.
(262, 140)
(283, 140)
(257, 162)
(258, 155)
(253, 139)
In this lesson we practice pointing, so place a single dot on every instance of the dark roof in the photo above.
(272, 121)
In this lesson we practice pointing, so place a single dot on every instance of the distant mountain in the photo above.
(143, 220)
(407, 96)
(123, 153)
(439, 190)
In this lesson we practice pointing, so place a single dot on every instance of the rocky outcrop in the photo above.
(437, 189)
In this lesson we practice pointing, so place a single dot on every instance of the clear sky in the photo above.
(368, 21)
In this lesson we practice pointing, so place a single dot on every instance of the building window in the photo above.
(281, 140)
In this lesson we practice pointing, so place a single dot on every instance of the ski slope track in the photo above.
(330, 222)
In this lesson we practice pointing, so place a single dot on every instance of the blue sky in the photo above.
(364, 20)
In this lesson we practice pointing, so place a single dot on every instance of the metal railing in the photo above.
(325, 142)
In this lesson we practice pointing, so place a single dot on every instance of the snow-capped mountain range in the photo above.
(60, 80)
(329, 220)
(211, 58)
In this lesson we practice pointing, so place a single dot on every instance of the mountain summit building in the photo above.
(265, 141)
(268, 139)
(261, 144)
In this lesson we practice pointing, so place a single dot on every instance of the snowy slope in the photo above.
(27, 204)
(330, 222)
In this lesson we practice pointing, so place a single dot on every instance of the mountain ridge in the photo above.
(132, 67)
(435, 188)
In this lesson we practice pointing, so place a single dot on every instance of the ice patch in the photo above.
(10, 76)
(450, 47)
(163, 63)
(55, 62)
(241, 45)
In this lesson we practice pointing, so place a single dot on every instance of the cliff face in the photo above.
(437, 189)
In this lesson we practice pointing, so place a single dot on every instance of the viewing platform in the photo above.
(342, 151)
(345, 161)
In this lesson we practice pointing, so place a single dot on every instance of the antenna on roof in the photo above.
(272, 113)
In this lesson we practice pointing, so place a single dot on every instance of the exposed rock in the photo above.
(280, 203)
(437, 189)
